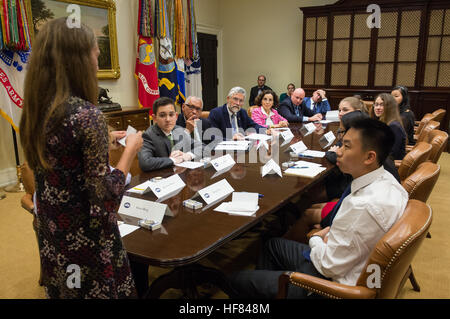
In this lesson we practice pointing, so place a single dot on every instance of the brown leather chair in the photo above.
(421, 124)
(439, 115)
(416, 156)
(438, 140)
(420, 183)
(423, 136)
(114, 157)
(250, 110)
(205, 114)
(393, 253)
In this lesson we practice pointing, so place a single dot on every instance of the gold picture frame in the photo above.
(94, 13)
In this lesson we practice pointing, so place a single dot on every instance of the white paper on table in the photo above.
(216, 192)
(307, 129)
(232, 146)
(299, 147)
(258, 137)
(271, 167)
(302, 163)
(332, 116)
(223, 162)
(190, 164)
(244, 202)
(126, 229)
(313, 153)
(224, 208)
(326, 140)
(130, 130)
(304, 172)
(325, 121)
(287, 135)
(141, 188)
(262, 143)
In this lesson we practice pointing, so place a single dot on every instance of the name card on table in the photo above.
(262, 143)
(258, 137)
(130, 130)
(271, 167)
(163, 189)
(307, 129)
(287, 136)
(326, 140)
(298, 147)
(215, 192)
(132, 210)
(332, 116)
(223, 162)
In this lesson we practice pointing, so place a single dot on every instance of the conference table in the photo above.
(190, 235)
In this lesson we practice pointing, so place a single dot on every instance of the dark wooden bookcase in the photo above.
(342, 55)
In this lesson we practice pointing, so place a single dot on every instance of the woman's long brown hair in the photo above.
(390, 113)
(60, 66)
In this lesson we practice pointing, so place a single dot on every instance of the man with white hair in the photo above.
(190, 118)
(231, 119)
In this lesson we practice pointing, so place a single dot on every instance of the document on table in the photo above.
(306, 164)
(242, 203)
(126, 229)
(232, 146)
(308, 172)
(190, 164)
(313, 153)
(332, 116)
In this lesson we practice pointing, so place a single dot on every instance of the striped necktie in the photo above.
(170, 137)
(233, 123)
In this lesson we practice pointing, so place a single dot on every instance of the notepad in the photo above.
(308, 172)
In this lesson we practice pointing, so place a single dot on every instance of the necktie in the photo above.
(328, 220)
(297, 110)
(170, 137)
(233, 123)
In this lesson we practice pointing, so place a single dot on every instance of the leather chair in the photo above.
(421, 124)
(416, 156)
(420, 183)
(438, 140)
(439, 115)
(250, 110)
(27, 200)
(393, 253)
(114, 157)
(423, 136)
(205, 114)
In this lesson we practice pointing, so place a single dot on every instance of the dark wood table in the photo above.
(191, 235)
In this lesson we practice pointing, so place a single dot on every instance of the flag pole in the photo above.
(18, 187)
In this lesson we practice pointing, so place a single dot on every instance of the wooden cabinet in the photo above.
(134, 116)
(345, 55)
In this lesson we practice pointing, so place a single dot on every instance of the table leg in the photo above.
(140, 275)
(187, 278)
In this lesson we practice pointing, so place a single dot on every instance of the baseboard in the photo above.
(8, 176)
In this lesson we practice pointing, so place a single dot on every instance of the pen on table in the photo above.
(298, 167)
(305, 156)
(260, 195)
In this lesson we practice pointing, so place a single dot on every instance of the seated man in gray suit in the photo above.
(165, 143)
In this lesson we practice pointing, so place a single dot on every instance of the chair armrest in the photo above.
(408, 148)
(323, 287)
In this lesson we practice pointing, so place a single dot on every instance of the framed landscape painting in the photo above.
(100, 15)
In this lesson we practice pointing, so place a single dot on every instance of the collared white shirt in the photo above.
(269, 121)
(375, 203)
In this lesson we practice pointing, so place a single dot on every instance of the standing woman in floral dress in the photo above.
(65, 140)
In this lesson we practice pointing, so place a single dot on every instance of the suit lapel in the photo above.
(164, 138)
(226, 116)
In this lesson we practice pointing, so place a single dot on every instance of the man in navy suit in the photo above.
(294, 109)
(318, 103)
(190, 119)
(231, 119)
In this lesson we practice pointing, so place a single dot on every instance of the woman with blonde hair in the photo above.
(385, 109)
(65, 140)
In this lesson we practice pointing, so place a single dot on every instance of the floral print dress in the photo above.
(76, 205)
